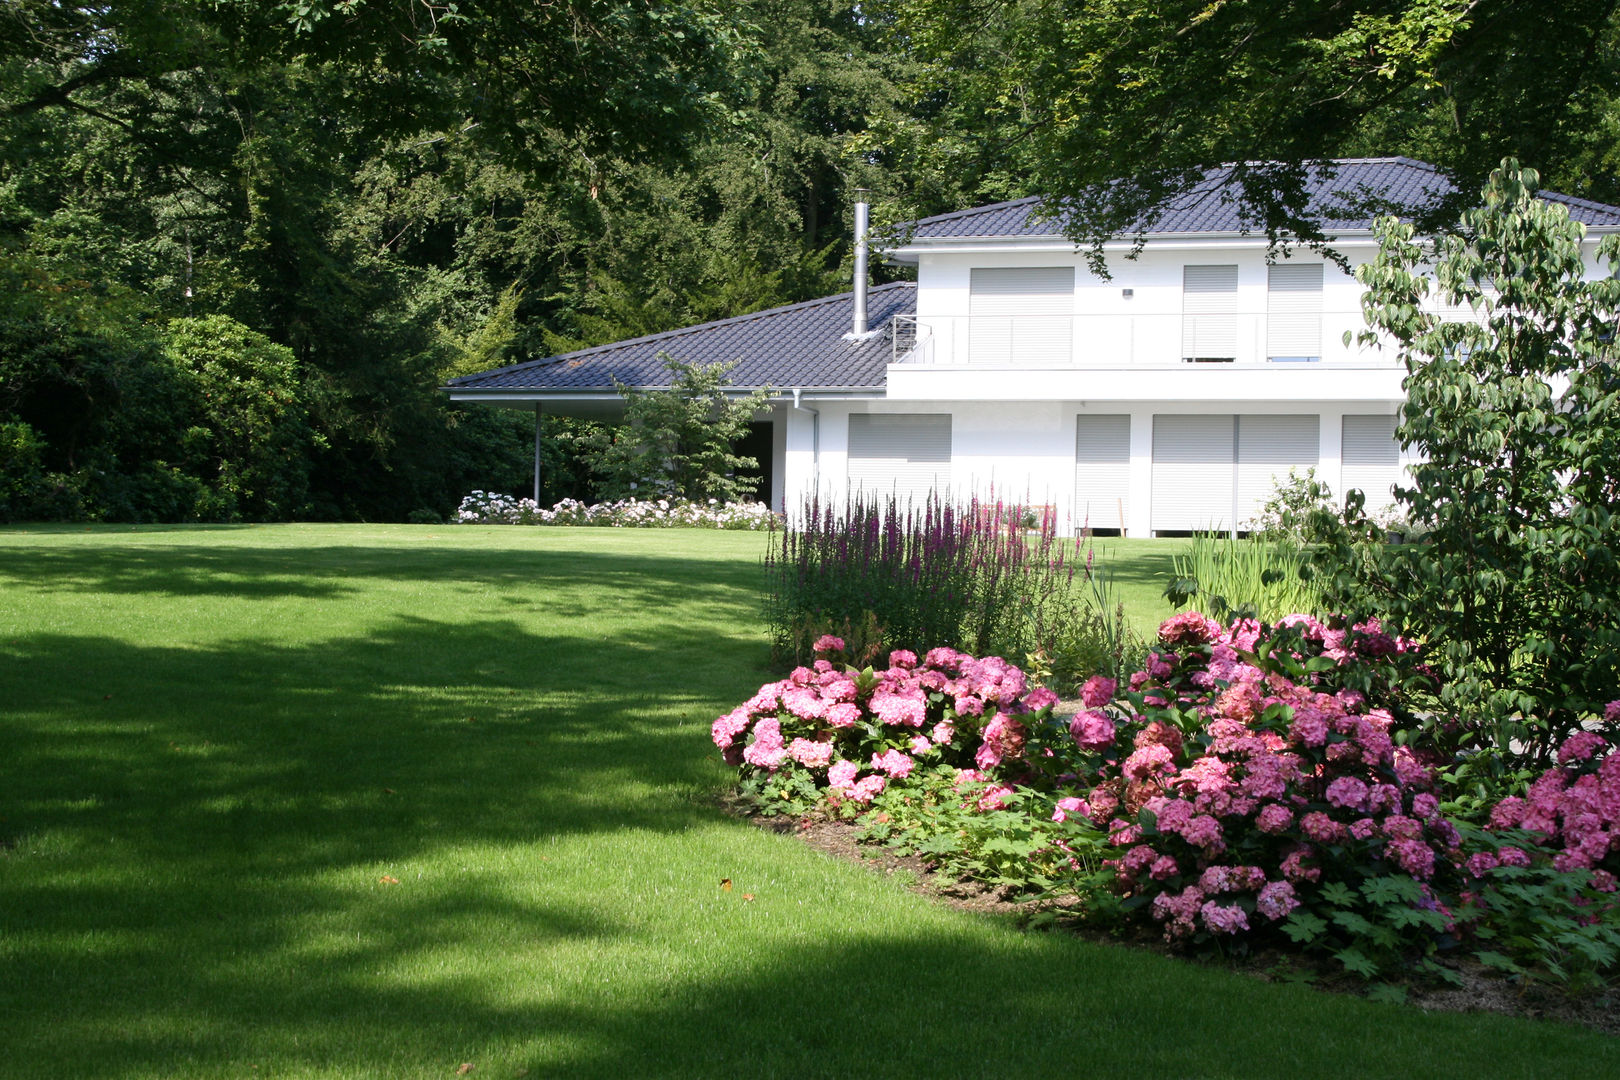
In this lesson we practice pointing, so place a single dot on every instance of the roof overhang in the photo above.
(606, 403)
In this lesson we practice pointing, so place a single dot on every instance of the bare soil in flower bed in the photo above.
(1482, 989)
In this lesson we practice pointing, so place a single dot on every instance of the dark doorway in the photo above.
(757, 444)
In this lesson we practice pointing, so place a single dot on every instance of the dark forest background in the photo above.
(243, 243)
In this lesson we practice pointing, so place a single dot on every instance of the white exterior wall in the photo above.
(1024, 451)
(1013, 423)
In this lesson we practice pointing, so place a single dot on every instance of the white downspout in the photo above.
(815, 440)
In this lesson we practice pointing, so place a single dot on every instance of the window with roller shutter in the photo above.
(1021, 314)
(1213, 473)
(1209, 314)
(904, 455)
(1102, 472)
(1294, 312)
(1371, 459)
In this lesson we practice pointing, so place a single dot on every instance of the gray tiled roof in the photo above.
(1347, 197)
(801, 345)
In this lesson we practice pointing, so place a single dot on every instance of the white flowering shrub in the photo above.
(490, 508)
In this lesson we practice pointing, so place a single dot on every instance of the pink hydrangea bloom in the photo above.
(1321, 828)
(801, 676)
(920, 744)
(904, 709)
(1203, 831)
(1296, 865)
(725, 730)
(1099, 691)
(804, 703)
(866, 788)
(1611, 712)
(1482, 863)
(944, 732)
(903, 658)
(1092, 730)
(767, 750)
(1039, 698)
(1066, 806)
(1364, 828)
(1189, 628)
(895, 763)
(1581, 746)
(1512, 856)
(843, 714)
(1164, 867)
(1276, 900)
(842, 775)
(1310, 727)
(1274, 818)
(1224, 918)
(1150, 760)
(806, 752)
(827, 643)
(1101, 804)
(840, 689)
(1347, 793)
(1401, 827)
(968, 705)
(996, 797)
(1414, 856)
(943, 657)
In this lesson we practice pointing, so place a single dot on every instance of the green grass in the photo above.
(218, 742)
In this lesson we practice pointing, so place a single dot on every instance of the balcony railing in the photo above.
(1111, 341)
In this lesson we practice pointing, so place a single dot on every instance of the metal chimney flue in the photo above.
(862, 221)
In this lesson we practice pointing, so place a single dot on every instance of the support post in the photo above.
(537, 452)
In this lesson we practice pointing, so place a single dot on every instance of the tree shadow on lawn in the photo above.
(317, 571)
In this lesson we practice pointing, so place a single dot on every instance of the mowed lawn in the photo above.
(347, 801)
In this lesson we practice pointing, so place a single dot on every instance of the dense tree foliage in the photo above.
(397, 193)
(1075, 94)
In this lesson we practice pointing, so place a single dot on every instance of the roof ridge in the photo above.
(682, 331)
(986, 208)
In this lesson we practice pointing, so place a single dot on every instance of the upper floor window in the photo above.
(1021, 314)
(1294, 312)
(1209, 314)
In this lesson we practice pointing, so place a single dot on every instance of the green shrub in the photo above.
(1253, 577)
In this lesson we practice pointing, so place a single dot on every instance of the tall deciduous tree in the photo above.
(1118, 106)
(1515, 413)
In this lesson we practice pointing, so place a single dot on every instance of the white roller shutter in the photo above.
(904, 455)
(1372, 459)
(1021, 314)
(1209, 312)
(1294, 311)
(1269, 446)
(1193, 457)
(1102, 471)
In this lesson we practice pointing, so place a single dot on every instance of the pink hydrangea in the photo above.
(903, 709)
(767, 750)
(1414, 856)
(968, 705)
(840, 688)
(725, 730)
(903, 658)
(811, 754)
(1320, 828)
(827, 643)
(1611, 712)
(1512, 856)
(920, 744)
(1151, 760)
(1581, 746)
(804, 703)
(1274, 818)
(866, 788)
(1092, 730)
(1482, 862)
(1039, 698)
(843, 714)
(1066, 806)
(1203, 831)
(841, 776)
(1099, 691)
(996, 797)
(1224, 918)
(895, 763)
(1189, 628)
(944, 732)
(1276, 900)
(1347, 793)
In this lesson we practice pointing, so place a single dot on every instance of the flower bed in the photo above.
(489, 508)
(1252, 785)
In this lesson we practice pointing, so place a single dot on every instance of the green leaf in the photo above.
(1303, 927)
(1356, 961)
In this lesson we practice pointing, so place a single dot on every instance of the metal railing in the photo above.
(1132, 340)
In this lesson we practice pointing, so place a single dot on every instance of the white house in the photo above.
(1164, 399)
